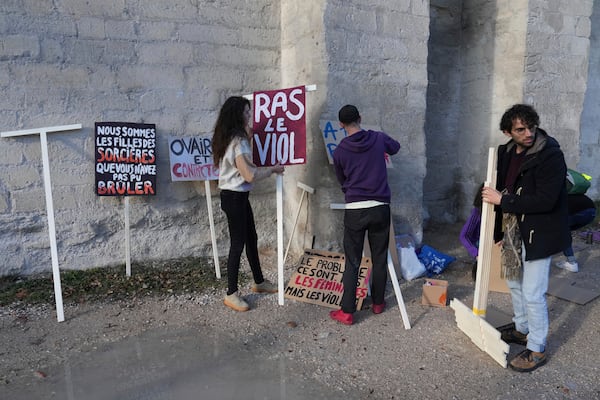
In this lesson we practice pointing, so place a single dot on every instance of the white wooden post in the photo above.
(279, 200)
(127, 239)
(49, 204)
(280, 260)
(211, 221)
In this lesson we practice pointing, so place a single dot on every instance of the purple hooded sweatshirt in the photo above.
(360, 165)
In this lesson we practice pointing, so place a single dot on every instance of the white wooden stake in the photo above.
(60, 315)
(212, 228)
(397, 291)
(305, 189)
(308, 88)
(127, 239)
(279, 187)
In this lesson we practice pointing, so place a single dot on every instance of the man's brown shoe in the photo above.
(527, 361)
(511, 335)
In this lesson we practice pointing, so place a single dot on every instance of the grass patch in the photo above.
(180, 276)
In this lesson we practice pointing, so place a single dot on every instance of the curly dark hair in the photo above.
(524, 112)
(230, 123)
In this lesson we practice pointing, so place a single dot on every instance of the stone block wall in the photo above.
(556, 75)
(167, 63)
(590, 118)
(173, 64)
(378, 61)
(495, 54)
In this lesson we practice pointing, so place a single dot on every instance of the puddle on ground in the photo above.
(161, 365)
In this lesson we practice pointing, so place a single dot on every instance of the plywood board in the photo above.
(497, 284)
(567, 289)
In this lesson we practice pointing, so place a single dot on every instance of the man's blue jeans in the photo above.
(529, 302)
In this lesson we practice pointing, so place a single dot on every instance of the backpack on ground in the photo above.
(577, 182)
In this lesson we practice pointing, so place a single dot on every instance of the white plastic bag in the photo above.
(410, 265)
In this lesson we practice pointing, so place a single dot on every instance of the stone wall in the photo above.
(173, 64)
(495, 54)
(558, 56)
(590, 118)
(378, 61)
(441, 190)
(167, 63)
(435, 75)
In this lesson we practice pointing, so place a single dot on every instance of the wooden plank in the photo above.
(486, 241)
(484, 335)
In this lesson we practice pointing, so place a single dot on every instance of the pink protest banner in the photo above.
(280, 127)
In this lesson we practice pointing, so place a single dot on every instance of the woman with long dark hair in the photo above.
(232, 152)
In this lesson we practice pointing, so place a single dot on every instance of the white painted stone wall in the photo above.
(173, 64)
(378, 61)
(168, 63)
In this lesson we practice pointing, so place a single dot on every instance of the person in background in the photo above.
(531, 225)
(359, 163)
(582, 211)
(232, 152)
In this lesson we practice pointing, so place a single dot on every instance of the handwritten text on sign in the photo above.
(191, 159)
(318, 279)
(279, 127)
(125, 159)
(333, 135)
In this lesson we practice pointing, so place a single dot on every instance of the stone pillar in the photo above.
(373, 56)
(556, 73)
(590, 118)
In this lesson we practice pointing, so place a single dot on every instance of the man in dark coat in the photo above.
(531, 225)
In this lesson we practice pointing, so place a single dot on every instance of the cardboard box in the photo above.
(497, 284)
(435, 293)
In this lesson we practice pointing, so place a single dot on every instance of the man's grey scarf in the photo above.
(512, 262)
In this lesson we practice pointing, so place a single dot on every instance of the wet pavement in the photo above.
(171, 365)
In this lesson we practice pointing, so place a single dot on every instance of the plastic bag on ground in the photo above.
(435, 262)
(410, 265)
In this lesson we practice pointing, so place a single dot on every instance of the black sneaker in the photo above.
(527, 361)
(511, 335)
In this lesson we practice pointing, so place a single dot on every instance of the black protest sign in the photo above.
(125, 159)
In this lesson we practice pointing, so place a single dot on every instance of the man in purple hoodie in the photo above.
(359, 163)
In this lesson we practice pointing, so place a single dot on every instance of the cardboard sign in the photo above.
(191, 159)
(333, 135)
(279, 127)
(125, 159)
(318, 279)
